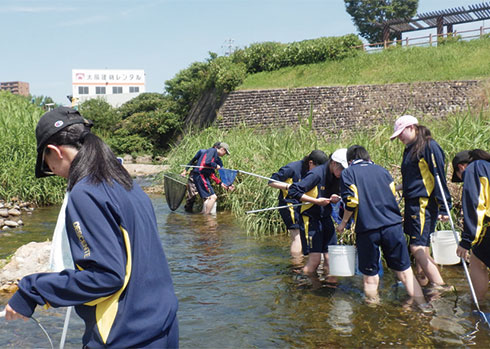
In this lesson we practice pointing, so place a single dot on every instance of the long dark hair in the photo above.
(94, 160)
(317, 156)
(422, 139)
(479, 154)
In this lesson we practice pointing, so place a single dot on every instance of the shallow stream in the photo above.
(238, 291)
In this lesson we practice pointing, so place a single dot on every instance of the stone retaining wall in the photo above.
(350, 107)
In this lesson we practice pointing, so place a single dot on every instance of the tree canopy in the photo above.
(366, 13)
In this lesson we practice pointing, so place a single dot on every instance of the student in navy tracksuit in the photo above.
(473, 168)
(424, 203)
(208, 162)
(121, 285)
(320, 186)
(289, 174)
(191, 192)
(368, 192)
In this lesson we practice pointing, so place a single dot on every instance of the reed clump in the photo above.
(18, 119)
(264, 151)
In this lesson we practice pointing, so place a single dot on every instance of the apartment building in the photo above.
(16, 87)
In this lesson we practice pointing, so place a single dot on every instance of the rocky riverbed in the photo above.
(11, 213)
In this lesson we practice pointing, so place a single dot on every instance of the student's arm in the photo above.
(215, 179)
(211, 156)
(194, 159)
(97, 246)
(349, 195)
(284, 173)
(473, 208)
(436, 154)
(299, 190)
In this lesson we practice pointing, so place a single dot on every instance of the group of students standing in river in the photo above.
(367, 192)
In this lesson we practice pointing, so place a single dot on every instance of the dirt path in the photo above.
(137, 170)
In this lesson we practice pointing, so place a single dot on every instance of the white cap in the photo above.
(340, 156)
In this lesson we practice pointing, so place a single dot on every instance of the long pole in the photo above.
(277, 207)
(473, 294)
(239, 171)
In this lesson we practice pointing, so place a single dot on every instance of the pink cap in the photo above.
(401, 123)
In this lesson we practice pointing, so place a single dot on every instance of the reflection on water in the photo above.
(238, 291)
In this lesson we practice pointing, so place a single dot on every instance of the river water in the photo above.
(235, 290)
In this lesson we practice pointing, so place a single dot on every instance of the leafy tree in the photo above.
(226, 75)
(144, 102)
(147, 124)
(188, 85)
(101, 113)
(366, 13)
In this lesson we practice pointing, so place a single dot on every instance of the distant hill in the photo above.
(453, 60)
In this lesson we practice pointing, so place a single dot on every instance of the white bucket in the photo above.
(444, 247)
(342, 260)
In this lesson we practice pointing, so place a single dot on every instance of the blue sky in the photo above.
(42, 41)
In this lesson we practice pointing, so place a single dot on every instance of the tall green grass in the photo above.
(455, 61)
(264, 151)
(18, 119)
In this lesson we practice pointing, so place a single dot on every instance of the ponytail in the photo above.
(94, 160)
(479, 154)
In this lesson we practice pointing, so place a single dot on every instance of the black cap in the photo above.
(463, 157)
(51, 123)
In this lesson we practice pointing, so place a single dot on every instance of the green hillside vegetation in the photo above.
(454, 60)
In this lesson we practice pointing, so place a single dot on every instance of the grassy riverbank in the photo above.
(453, 61)
(265, 151)
(18, 119)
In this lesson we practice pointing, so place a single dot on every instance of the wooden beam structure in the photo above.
(437, 19)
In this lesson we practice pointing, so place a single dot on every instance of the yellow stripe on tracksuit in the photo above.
(482, 210)
(284, 195)
(106, 307)
(306, 224)
(353, 201)
(312, 193)
(429, 182)
(306, 220)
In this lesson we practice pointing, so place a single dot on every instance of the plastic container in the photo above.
(342, 260)
(444, 247)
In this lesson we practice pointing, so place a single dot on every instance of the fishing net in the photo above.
(175, 187)
(227, 176)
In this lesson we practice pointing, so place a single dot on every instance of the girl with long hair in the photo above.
(424, 203)
(121, 285)
(289, 174)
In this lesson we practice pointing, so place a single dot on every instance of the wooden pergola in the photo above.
(436, 19)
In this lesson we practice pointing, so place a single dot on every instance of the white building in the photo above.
(116, 86)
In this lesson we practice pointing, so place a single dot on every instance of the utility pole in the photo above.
(228, 47)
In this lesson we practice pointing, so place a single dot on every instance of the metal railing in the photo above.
(428, 40)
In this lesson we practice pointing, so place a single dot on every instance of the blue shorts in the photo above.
(392, 243)
(289, 215)
(482, 250)
(316, 234)
(420, 220)
(203, 185)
